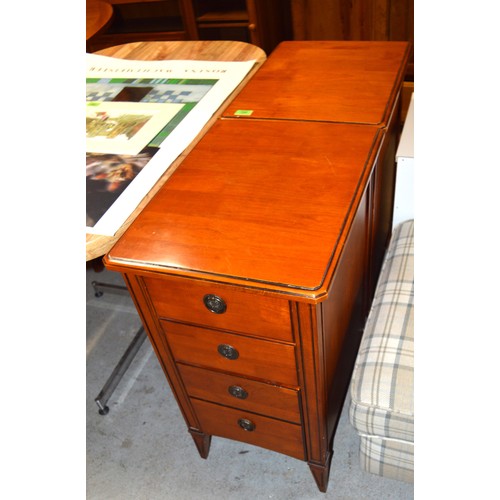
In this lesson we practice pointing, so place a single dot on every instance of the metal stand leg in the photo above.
(127, 358)
(119, 371)
(98, 286)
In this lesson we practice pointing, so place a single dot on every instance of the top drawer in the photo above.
(219, 306)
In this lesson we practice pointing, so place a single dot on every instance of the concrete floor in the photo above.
(141, 449)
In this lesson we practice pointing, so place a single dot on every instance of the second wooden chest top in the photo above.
(335, 81)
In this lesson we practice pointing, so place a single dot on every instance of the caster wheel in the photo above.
(104, 411)
(97, 293)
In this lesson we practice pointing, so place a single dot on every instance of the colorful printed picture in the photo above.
(125, 127)
(187, 92)
(108, 175)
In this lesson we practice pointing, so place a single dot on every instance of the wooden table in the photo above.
(98, 245)
(254, 266)
(99, 15)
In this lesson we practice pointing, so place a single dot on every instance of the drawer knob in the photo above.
(238, 392)
(228, 351)
(214, 304)
(246, 424)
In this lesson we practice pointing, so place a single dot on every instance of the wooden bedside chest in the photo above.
(252, 269)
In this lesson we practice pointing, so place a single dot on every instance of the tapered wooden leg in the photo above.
(321, 473)
(202, 442)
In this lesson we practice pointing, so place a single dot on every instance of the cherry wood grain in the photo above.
(349, 82)
(352, 19)
(98, 245)
(268, 317)
(269, 433)
(269, 361)
(266, 203)
(99, 15)
(214, 386)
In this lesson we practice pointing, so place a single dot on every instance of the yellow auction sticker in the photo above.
(243, 112)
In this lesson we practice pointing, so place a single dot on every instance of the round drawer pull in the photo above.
(228, 351)
(214, 304)
(246, 424)
(237, 392)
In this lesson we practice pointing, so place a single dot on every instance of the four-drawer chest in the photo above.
(253, 267)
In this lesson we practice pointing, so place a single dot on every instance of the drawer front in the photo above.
(246, 394)
(238, 311)
(250, 428)
(227, 352)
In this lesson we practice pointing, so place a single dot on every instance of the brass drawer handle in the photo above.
(246, 424)
(237, 392)
(228, 351)
(214, 304)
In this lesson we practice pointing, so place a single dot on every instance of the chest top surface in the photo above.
(263, 202)
(350, 82)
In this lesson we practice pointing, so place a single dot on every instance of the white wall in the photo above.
(403, 197)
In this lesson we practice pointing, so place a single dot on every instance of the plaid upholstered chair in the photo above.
(381, 408)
